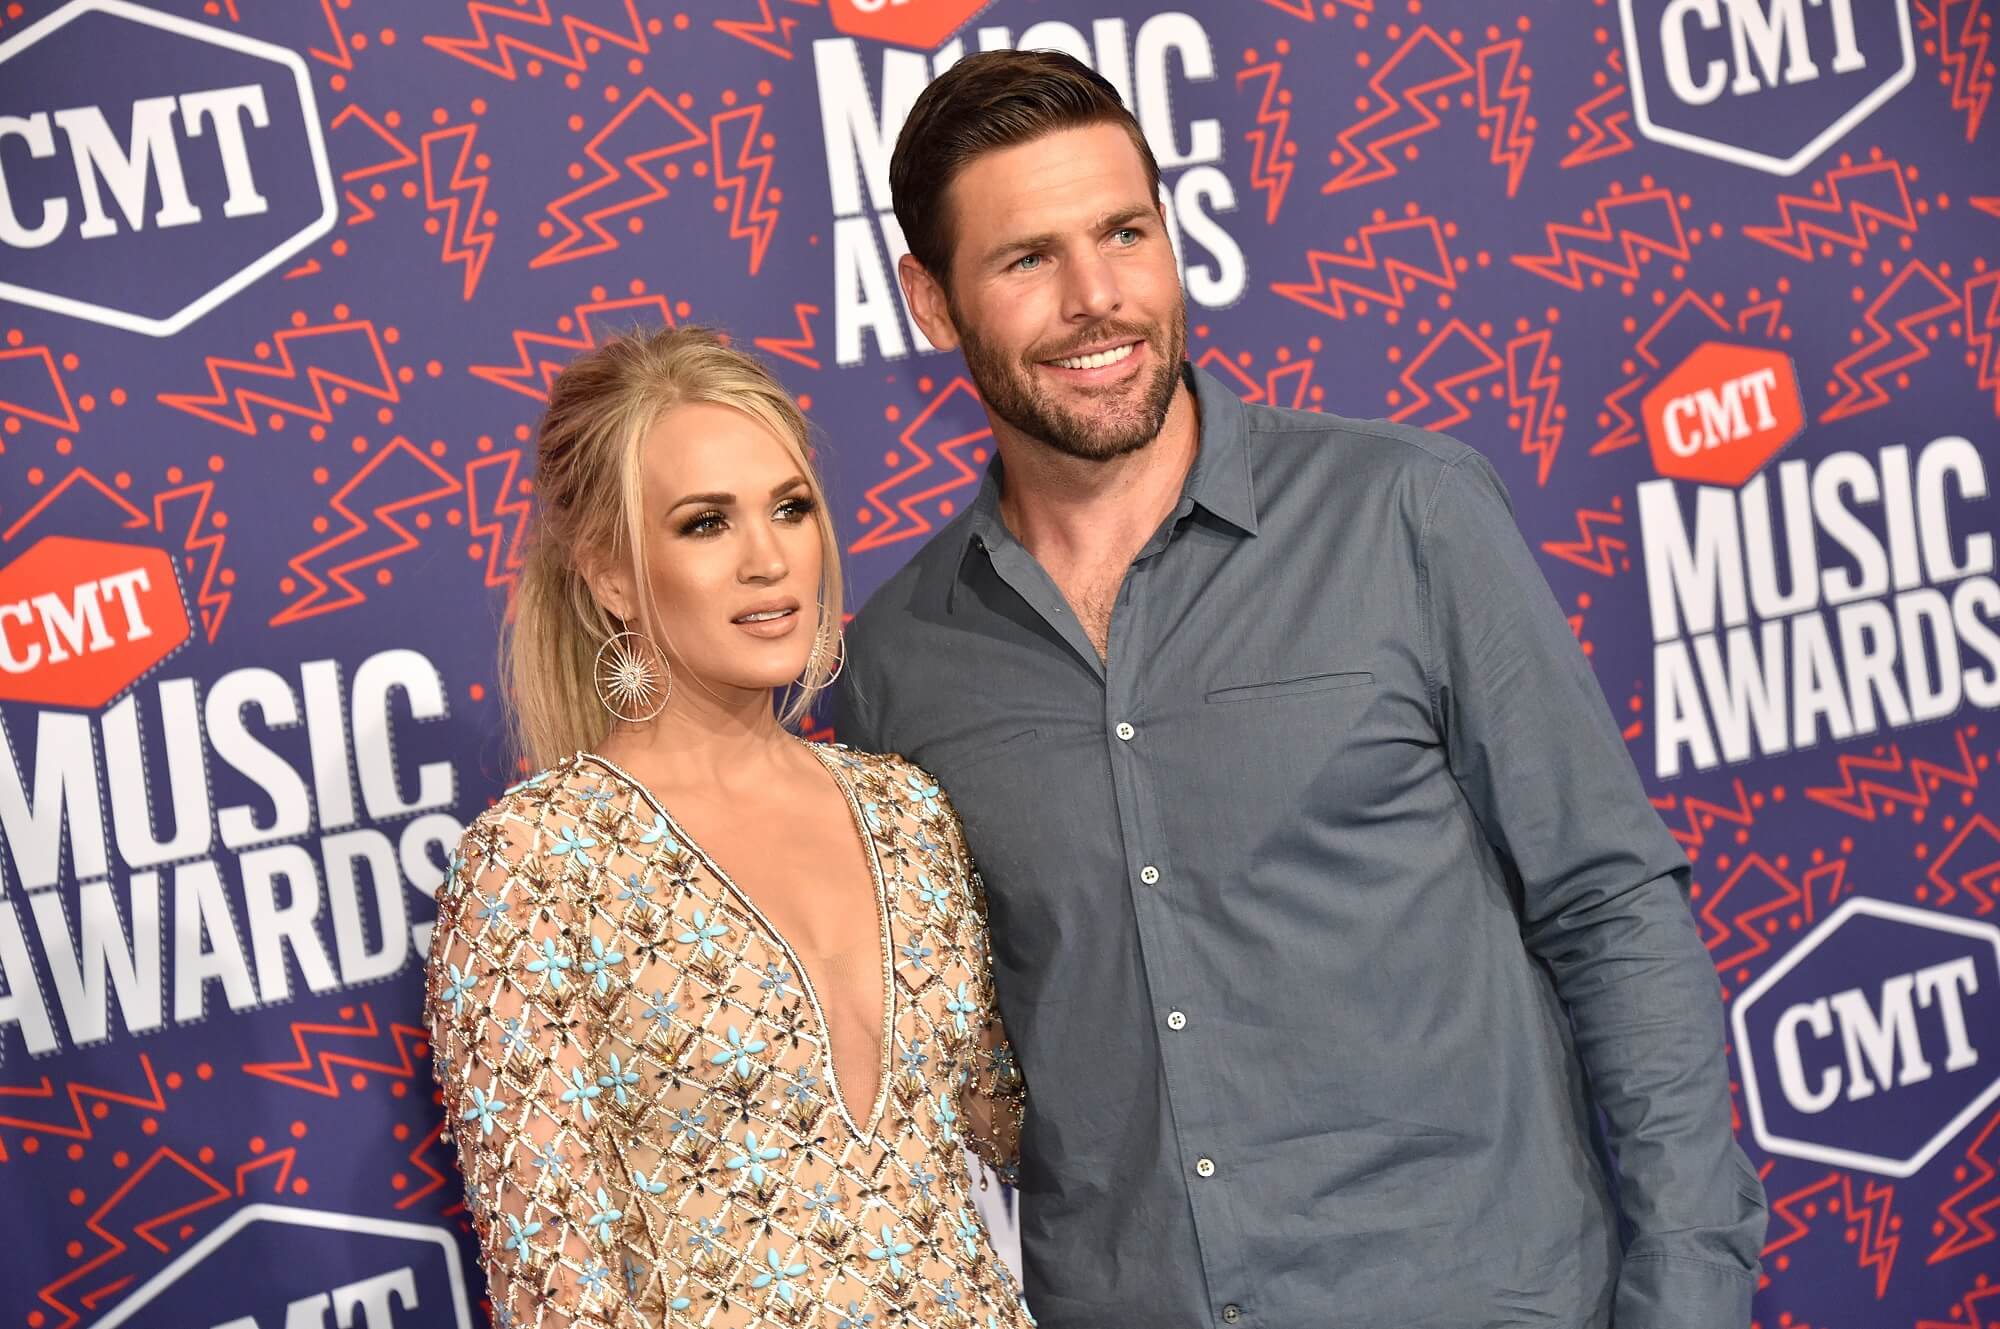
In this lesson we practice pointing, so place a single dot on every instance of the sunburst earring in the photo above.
(823, 641)
(633, 677)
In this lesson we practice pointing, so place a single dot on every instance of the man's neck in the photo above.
(1068, 512)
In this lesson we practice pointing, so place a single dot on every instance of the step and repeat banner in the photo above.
(1714, 283)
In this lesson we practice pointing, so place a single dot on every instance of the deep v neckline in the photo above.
(884, 942)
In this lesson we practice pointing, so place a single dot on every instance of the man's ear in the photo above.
(927, 303)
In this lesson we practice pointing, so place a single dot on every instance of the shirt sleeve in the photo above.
(512, 1038)
(993, 1098)
(1603, 886)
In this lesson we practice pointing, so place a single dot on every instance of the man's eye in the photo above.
(1027, 262)
(1126, 235)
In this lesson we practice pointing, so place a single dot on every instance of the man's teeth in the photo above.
(1098, 361)
(764, 617)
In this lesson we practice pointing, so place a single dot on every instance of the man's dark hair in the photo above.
(985, 102)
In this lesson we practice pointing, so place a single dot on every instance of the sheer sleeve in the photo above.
(993, 1098)
(512, 1036)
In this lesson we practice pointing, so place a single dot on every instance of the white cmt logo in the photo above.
(115, 180)
(1703, 71)
(1910, 1031)
(386, 1301)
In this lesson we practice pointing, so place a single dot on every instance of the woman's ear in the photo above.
(610, 583)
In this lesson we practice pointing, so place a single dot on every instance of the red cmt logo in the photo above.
(81, 620)
(1725, 412)
(920, 23)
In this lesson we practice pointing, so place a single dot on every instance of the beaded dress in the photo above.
(637, 1072)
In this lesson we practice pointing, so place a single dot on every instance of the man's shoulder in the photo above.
(1345, 444)
(914, 590)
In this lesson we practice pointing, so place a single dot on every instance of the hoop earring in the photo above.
(632, 674)
(824, 641)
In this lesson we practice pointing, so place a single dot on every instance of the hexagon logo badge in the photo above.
(83, 620)
(273, 1265)
(1875, 1040)
(1720, 416)
(152, 167)
(1768, 84)
(923, 24)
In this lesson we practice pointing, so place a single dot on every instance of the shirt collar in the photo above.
(1218, 482)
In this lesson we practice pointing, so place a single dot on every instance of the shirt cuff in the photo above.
(1669, 1292)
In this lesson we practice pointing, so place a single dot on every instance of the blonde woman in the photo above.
(710, 1005)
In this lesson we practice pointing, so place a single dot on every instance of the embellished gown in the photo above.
(637, 1071)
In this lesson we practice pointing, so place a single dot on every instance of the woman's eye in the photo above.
(706, 523)
(795, 509)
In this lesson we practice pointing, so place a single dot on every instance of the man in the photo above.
(1328, 911)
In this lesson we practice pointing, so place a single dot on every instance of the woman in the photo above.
(711, 1006)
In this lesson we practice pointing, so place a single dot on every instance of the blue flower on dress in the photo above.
(872, 814)
(518, 1241)
(778, 1273)
(482, 1110)
(913, 1056)
(599, 795)
(686, 1121)
(659, 1009)
(921, 792)
(599, 966)
(703, 934)
(620, 1079)
(639, 1182)
(821, 1201)
(753, 1158)
(855, 1318)
(455, 991)
(947, 1296)
(776, 979)
(572, 845)
(802, 1088)
(960, 1006)
(679, 1304)
(739, 1051)
(929, 891)
(513, 1036)
(915, 954)
(708, 1235)
(634, 1273)
(604, 1216)
(638, 888)
(922, 1177)
(594, 1279)
(658, 833)
(550, 964)
(947, 1118)
(891, 1250)
(967, 1233)
(491, 909)
(532, 782)
(581, 1091)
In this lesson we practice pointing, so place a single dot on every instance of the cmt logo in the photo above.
(273, 1266)
(1876, 1040)
(151, 167)
(82, 620)
(923, 24)
(1768, 84)
(1724, 413)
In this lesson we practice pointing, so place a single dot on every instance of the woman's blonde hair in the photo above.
(589, 506)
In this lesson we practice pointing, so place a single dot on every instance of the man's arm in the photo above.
(1543, 766)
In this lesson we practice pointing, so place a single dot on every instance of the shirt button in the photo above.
(1176, 1020)
(1204, 1167)
(1150, 875)
(1232, 1312)
(1124, 731)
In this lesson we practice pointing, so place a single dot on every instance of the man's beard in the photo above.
(1131, 416)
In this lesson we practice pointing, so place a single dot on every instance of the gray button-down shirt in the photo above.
(1325, 908)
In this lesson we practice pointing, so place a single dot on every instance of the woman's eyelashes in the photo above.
(712, 520)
